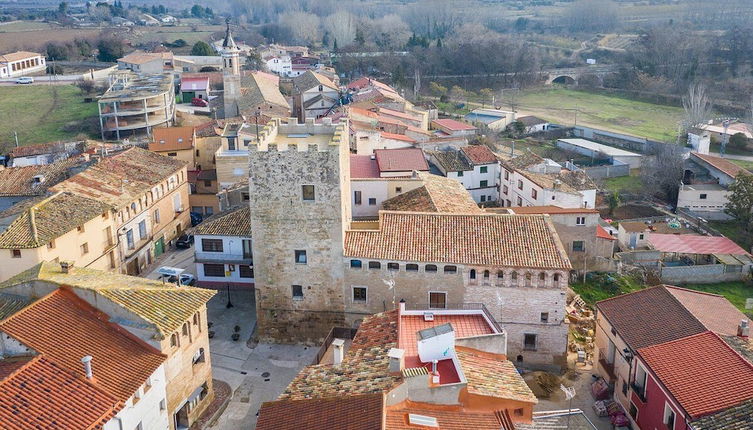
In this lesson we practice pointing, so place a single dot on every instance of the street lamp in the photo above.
(229, 303)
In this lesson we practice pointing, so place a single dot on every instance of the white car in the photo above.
(25, 80)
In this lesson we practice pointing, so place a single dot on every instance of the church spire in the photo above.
(228, 43)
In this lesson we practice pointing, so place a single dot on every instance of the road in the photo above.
(45, 80)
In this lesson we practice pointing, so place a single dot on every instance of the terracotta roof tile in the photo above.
(311, 80)
(463, 325)
(715, 312)
(395, 136)
(162, 304)
(235, 222)
(603, 234)
(359, 412)
(43, 394)
(122, 178)
(171, 139)
(364, 370)
(65, 328)
(722, 164)
(451, 160)
(452, 124)
(448, 417)
(479, 154)
(530, 120)
(398, 114)
(36, 222)
(649, 317)
(363, 166)
(483, 239)
(257, 89)
(18, 55)
(492, 376)
(400, 160)
(19, 181)
(684, 368)
(438, 194)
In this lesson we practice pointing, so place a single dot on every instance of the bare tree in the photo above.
(697, 106)
(341, 26)
(303, 26)
(591, 15)
(662, 170)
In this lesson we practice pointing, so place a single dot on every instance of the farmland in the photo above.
(44, 114)
(34, 35)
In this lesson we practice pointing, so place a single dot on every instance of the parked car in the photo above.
(199, 102)
(184, 242)
(185, 279)
(25, 80)
(196, 219)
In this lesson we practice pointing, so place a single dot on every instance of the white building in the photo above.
(494, 119)
(370, 188)
(279, 64)
(315, 95)
(21, 63)
(704, 188)
(530, 180)
(475, 166)
(597, 151)
(223, 249)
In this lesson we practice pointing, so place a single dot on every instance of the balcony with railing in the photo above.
(224, 257)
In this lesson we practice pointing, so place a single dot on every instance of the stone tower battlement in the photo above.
(294, 136)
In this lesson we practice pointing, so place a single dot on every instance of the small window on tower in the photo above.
(308, 192)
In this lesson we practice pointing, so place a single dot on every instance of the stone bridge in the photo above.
(573, 75)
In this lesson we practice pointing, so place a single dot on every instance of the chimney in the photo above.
(434, 372)
(87, 361)
(397, 360)
(66, 266)
(743, 330)
(339, 351)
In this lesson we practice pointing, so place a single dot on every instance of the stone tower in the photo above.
(299, 187)
(231, 73)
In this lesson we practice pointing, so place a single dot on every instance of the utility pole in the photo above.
(15, 136)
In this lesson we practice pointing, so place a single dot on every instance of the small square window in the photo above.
(393, 266)
(375, 265)
(245, 197)
(411, 267)
(460, 173)
(84, 249)
(300, 257)
(534, 194)
(581, 220)
(15, 253)
(355, 264)
(545, 317)
(80, 229)
(297, 291)
(483, 199)
(51, 244)
(437, 300)
(308, 193)
(483, 184)
(372, 201)
(703, 196)
(579, 246)
(398, 189)
(529, 342)
(483, 169)
(359, 294)
(640, 236)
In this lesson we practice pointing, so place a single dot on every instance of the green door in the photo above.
(159, 247)
(188, 96)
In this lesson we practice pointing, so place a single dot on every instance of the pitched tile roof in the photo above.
(737, 417)
(162, 304)
(451, 160)
(359, 412)
(364, 370)
(520, 161)
(649, 317)
(399, 160)
(65, 328)
(452, 124)
(35, 222)
(722, 164)
(398, 114)
(208, 129)
(492, 376)
(363, 166)
(694, 244)
(43, 394)
(258, 89)
(171, 139)
(311, 80)
(11, 303)
(438, 194)
(448, 417)
(479, 154)
(685, 369)
(18, 55)
(474, 239)
(530, 120)
(552, 210)
(122, 178)
(601, 233)
(715, 312)
(395, 136)
(235, 222)
(19, 181)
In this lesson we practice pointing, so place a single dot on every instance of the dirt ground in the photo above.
(630, 212)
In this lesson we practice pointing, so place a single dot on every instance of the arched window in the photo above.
(556, 277)
(411, 267)
(542, 276)
(174, 341)
(430, 268)
(450, 269)
(486, 274)
(500, 274)
(185, 329)
(514, 276)
(473, 273)
(528, 276)
(375, 265)
(393, 266)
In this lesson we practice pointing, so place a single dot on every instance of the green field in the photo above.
(610, 112)
(745, 164)
(625, 184)
(40, 114)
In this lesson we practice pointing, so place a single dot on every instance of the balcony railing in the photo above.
(456, 307)
(224, 257)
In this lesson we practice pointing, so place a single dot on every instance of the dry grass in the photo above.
(35, 40)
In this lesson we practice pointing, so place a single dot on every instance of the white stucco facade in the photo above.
(147, 407)
(235, 258)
